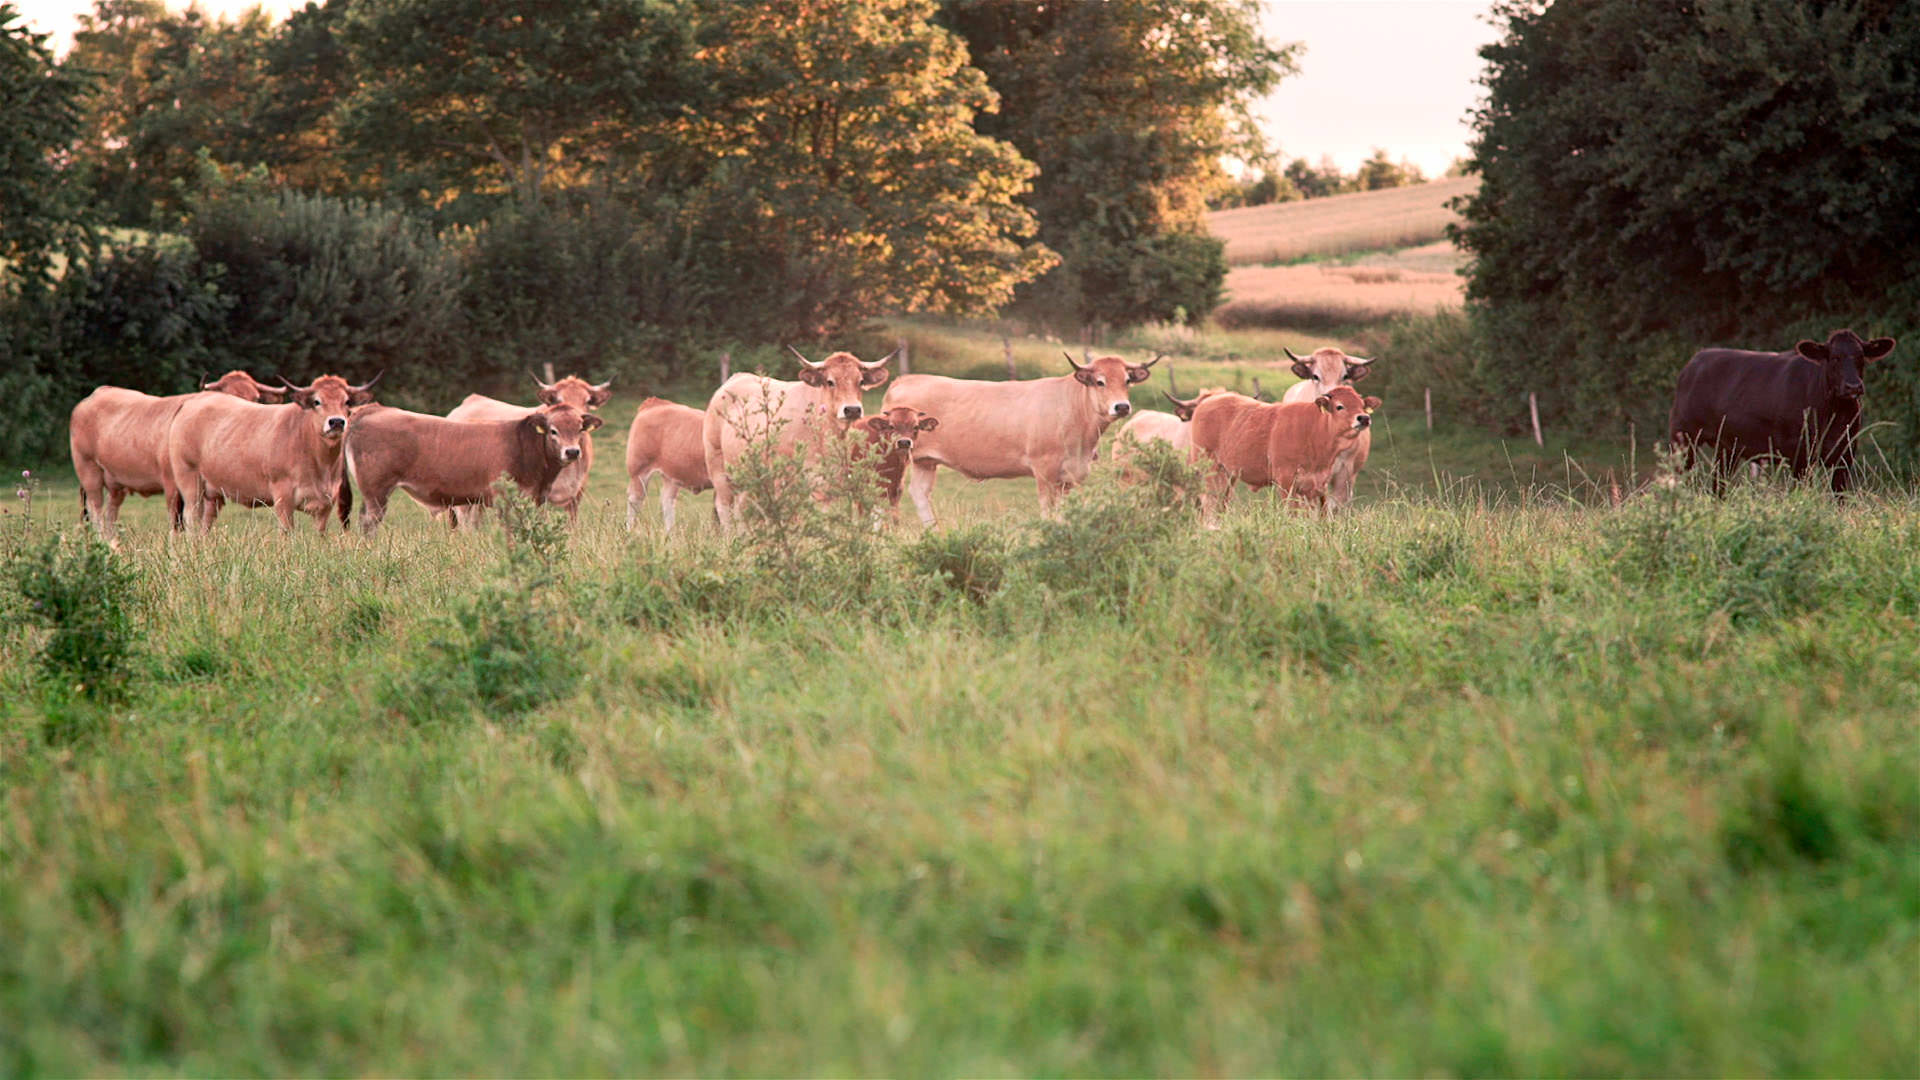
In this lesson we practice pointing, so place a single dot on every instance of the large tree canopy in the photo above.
(1659, 177)
(41, 210)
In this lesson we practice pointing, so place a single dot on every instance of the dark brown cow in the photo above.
(1293, 446)
(446, 463)
(222, 449)
(890, 438)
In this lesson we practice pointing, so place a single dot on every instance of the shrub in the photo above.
(83, 595)
(970, 561)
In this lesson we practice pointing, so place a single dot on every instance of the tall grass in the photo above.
(1450, 784)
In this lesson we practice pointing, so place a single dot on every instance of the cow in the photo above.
(570, 487)
(222, 449)
(445, 463)
(247, 388)
(118, 439)
(804, 414)
(1801, 406)
(665, 441)
(1295, 446)
(1325, 369)
(1044, 428)
(890, 439)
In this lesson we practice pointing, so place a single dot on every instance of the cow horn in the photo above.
(1077, 366)
(1182, 404)
(880, 363)
(1360, 361)
(538, 383)
(602, 388)
(368, 385)
(285, 383)
(1157, 357)
(1290, 355)
(803, 359)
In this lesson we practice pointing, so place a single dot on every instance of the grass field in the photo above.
(1318, 228)
(1489, 776)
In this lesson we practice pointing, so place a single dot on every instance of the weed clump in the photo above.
(1108, 539)
(83, 596)
(1761, 553)
(971, 562)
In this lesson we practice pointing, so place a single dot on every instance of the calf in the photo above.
(890, 439)
(665, 441)
(1801, 406)
(571, 485)
(1293, 446)
(445, 463)
(221, 449)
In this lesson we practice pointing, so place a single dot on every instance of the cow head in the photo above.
(561, 429)
(575, 391)
(1329, 368)
(246, 388)
(1110, 377)
(1347, 411)
(1842, 359)
(328, 399)
(839, 379)
(898, 426)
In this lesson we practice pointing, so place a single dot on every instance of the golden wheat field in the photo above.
(1364, 221)
(1417, 281)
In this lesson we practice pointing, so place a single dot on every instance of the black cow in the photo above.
(1800, 407)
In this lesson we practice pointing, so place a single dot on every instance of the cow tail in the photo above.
(343, 501)
(84, 516)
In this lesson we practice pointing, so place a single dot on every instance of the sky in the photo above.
(1398, 74)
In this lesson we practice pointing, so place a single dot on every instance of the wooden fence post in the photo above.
(1006, 349)
(906, 359)
(548, 368)
(1429, 408)
(726, 365)
(1533, 407)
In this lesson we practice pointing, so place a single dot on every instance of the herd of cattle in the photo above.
(305, 449)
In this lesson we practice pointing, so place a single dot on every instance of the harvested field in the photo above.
(1415, 282)
(1365, 221)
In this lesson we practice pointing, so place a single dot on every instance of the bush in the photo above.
(83, 595)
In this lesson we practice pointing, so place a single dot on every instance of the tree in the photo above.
(42, 212)
(1378, 172)
(1315, 182)
(1127, 107)
(1659, 177)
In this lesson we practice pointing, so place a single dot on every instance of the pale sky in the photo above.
(1399, 74)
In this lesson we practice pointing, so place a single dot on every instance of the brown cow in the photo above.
(118, 439)
(748, 408)
(285, 456)
(890, 439)
(664, 441)
(1293, 446)
(445, 463)
(1325, 370)
(1043, 428)
(571, 485)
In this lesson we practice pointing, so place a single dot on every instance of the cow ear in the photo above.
(876, 424)
(1301, 370)
(303, 398)
(874, 377)
(538, 423)
(600, 395)
(813, 377)
(1371, 402)
(1137, 374)
(1812, 350)
(1085, 376)
(1325, 401)
(548, 396)
(1877, 348)
(589, 422)
(927, 423)
(360, 397)
(1356, 372)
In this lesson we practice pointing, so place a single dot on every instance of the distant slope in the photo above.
(1337, 224)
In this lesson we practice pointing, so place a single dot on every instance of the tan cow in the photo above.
(247, 388)
(445, 463)
(222, 449)
(665, 441)
(571, 485)
(748, 408)
(1294, 446)
(118, 439)
(1325, 369)
(1043, 428)
(890, 440)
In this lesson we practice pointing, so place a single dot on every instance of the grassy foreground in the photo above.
(1450, 785)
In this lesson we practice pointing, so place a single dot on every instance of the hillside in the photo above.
(1365, 221)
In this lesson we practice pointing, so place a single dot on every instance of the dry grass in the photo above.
(1328, 294)
(1367, 221)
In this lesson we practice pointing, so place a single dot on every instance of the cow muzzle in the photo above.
(1363, 421)
(571, 453)
(1121, 408)
(904, 444)
(850, 412)
(1853, 391)
(336, 425)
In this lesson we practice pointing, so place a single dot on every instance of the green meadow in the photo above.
(1527, 765)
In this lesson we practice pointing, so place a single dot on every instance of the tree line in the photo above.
(612, 184)
(1300, 179)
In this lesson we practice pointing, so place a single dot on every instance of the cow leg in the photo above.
(93, 484)
(921, 488)
(669, 499)
(1213, 501)
(723, 501)
(636, 498)
(283, 509)
(210, 505)
(108, 516)
(373, 509)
